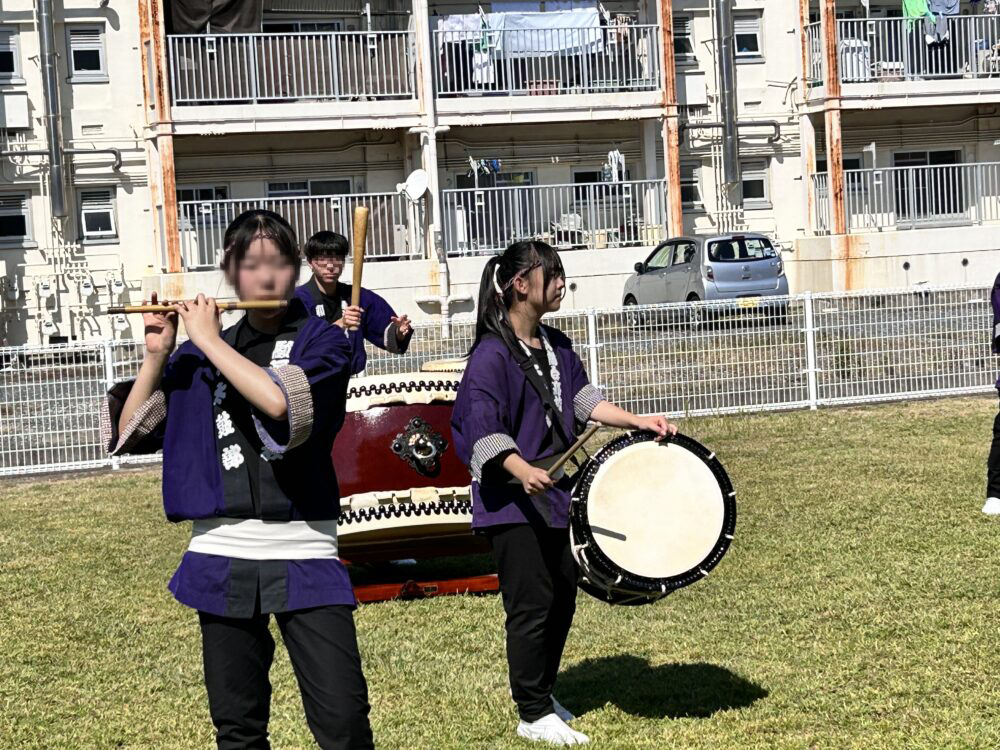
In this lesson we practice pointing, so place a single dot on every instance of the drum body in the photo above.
(404, 492)
(650, 517)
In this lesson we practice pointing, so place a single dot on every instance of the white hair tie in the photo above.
(496, 280)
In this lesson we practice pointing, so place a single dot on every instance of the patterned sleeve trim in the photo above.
(486, 449)
(147, 417)
(298, 397)
(585, 401)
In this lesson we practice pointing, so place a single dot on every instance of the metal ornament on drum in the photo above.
(648, 517)
(404, 492)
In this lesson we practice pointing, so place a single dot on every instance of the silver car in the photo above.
(739, 267)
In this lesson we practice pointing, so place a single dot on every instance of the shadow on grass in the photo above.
(672, 691)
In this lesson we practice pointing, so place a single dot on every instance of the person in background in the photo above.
(992, 506)
(326, 297)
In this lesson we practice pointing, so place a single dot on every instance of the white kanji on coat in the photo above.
(224, 424)
(279, 357)
(220, 393)
(232, 456)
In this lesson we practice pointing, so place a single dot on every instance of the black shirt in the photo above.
(333, 307)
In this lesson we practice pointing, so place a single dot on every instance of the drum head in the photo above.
(658, 514)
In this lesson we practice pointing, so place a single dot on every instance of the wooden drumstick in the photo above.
(360, 238)
(263, 304)
(587, 435)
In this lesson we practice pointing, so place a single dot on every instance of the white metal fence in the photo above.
(909, 197)
(679, 359)
(589, 60)
(338, 65)
(900, 49)
(395, 230)
(585, 215)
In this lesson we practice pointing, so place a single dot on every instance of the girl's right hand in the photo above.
(535, 480)
(161, 330)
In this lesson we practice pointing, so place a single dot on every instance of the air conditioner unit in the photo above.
(14, 111)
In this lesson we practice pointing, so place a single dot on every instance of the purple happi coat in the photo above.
(376, 326)
(222, 459)
(995, 330)
(497, 411)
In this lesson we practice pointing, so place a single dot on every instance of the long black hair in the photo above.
(496, 289)
(245, 228)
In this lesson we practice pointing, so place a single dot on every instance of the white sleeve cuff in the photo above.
(486, 449)
(585, 401)
(298, 398)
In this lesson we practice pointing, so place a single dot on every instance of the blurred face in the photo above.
(544, 298)
(264, 273)
(327, 268)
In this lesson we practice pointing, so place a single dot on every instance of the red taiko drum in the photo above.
(404, 493)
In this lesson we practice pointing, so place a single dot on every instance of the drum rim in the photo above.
(581, 527)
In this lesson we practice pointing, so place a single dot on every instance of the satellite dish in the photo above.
(415, 185)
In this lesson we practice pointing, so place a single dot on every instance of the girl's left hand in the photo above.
(659, 425)
(201, 319)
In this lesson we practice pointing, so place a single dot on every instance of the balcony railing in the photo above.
(914, 197)
(898, 49)
(548, 61)
(340, 65)
(590, 215)
(395, 229)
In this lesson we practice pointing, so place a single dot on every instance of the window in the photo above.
(690, 192)
(197, 209)
(86, 53)
(588, 176)
(683, 253)
(749, 41)
(739, 249)
(754, 179)
(660, 257)
(304, 188)
(97, 214)
(15, 219)
(683, 39)
(10, 62)
(853, 179)
(202, 193)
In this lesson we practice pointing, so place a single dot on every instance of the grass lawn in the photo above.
(857, 608)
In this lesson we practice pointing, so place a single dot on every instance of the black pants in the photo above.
(993, 464)
(538, 583)
(324, 651)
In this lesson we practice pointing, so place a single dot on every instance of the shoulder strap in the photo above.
(545, 394)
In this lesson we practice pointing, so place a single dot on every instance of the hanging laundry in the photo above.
(941, 10)
(916, 10)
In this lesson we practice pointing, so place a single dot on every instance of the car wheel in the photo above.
(695, 313)
(633, 318)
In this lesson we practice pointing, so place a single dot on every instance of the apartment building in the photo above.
(600, 127)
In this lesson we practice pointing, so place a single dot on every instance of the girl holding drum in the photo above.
(523, 391)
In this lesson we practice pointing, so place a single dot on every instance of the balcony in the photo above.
(913, 197)
(265, 77)
(890, 57)
(588, 215)
(395, 230)
(485, 71)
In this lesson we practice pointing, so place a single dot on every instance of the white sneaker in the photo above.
(992, 506)
(553, 730)
(561, 711)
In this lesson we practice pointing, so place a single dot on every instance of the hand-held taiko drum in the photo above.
(650, 517)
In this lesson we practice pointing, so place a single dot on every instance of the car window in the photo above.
(684, 253)
(741, 249)
(660, 258)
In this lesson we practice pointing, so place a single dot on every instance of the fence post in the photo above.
(109, 380)
(592, 346)
(810, 331)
